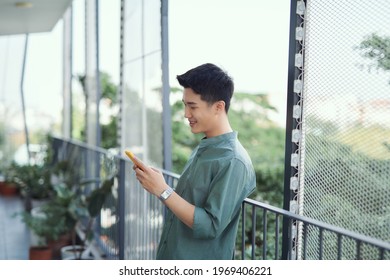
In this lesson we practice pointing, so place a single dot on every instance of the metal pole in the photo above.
(28, 196)
(122, 209)
(98, 85)
(22, 98)
(122, 164)
(167, 128)
(289, 145)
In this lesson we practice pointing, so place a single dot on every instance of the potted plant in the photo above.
(34, 180)
(77, 202)
(8, 187)
(34, 184)
(82, 214)
(47, 227)
(50, 223)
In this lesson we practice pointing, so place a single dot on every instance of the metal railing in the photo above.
(131, 220)
(334, 243)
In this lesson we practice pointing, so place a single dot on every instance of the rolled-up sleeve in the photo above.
(227, 191)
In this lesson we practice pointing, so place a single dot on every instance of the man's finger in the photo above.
(139, 163)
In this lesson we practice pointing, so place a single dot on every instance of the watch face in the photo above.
(166, 193)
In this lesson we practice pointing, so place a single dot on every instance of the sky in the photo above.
(248, 38)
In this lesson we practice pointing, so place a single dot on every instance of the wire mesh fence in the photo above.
(344, 148)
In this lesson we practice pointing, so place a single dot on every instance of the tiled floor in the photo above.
(14, 235)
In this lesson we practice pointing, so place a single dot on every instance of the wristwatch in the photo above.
(165, 194)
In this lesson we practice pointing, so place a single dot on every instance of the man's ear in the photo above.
(220, 106)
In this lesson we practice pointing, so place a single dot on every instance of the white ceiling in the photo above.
(42, 16)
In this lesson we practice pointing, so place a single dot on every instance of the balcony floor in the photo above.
(14, 235)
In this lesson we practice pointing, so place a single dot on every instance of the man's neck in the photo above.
(223, 128)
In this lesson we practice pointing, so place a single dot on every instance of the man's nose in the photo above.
(187, 113)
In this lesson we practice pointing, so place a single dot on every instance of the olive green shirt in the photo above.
(216, 179)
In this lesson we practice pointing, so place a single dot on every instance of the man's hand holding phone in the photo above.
(150, 178)
(153, 181)
(137, 162)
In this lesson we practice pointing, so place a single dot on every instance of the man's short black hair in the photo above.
(211, 82)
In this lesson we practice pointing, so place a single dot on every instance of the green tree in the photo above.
(377, 49)
(109, 98)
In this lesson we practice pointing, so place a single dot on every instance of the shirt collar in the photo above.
(205, 142)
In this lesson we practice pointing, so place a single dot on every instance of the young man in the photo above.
(204, 209)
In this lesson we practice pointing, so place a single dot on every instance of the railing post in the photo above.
(253, 240)
(121, 206)
(243, 217)
(265, 227)
(291, 122)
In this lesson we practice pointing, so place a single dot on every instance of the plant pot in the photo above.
(8, 189)
(74, 252)
(57, 245)
(40, 253)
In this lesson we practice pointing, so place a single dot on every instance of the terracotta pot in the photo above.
(56, 245)
(40, 253)
(8, 189)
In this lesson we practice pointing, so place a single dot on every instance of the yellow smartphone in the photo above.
(137, 162)
(130, 155)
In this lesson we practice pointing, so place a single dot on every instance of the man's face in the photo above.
(202, 117)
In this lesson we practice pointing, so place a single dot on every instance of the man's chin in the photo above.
(195, 131)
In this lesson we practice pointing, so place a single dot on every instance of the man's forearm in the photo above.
(183, 210)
